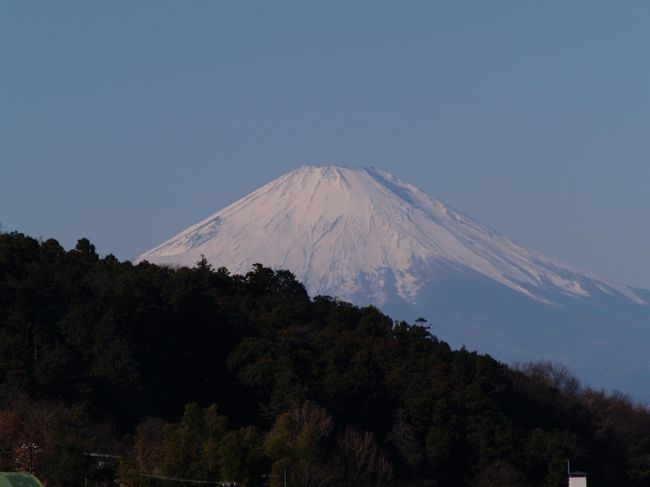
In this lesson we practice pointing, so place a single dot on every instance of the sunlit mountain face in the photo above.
(362, 235)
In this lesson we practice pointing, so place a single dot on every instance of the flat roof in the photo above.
(577, 474)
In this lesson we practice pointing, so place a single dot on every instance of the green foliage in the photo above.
(299, 443)
(331, 393)
(188, 449)
(241, 457)
(74, 467)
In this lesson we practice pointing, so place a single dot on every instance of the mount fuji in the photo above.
(362, 235)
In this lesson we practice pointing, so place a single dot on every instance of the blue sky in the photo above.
(127, 121)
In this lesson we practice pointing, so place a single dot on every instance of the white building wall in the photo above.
(578, 482)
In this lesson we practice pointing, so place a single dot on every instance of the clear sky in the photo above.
(127, 121)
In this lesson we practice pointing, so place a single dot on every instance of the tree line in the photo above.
(197, 374)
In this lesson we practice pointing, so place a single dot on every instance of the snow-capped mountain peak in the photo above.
(362, 234)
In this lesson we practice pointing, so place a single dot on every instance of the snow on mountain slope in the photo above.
(363, 235)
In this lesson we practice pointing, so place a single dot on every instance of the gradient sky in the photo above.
(127, 121)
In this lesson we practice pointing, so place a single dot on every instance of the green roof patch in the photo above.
(18, 479)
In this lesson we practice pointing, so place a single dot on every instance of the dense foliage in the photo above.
(199, 374)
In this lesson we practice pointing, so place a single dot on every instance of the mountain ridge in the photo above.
(363, 235)
(348, 204)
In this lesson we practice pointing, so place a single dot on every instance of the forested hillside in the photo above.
(199, 374)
